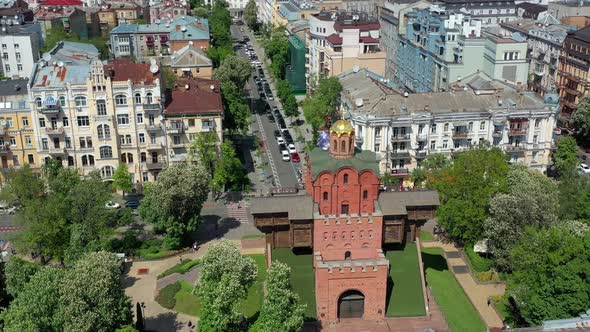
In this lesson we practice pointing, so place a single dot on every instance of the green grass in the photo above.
(426, 236)
(186, 301)
(302, 277)
(181, 268)
(251, 305)
(406, 298)
(167, 296)
(252, 236)
(477, 262)
(153, 249)
(452, 300)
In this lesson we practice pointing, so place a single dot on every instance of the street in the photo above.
(284, 173)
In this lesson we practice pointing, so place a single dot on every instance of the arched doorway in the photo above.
(351, 304)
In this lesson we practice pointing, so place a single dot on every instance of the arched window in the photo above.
(87, 160)
(149, 98)
(120, 100)
(101, 107)
(345, 178)
(38, 102)
(80, 101)
(62, 101)
(325, 195)
(106, 152)
(103, 131)
(137, 98)
(365, 195)
(127, 158)
(143, 157)
(335, 146)
(107, 171)
(343, 146)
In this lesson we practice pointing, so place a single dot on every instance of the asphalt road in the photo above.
(286, 171)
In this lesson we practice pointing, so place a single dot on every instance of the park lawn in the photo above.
(406, 298)
(253, 302)
(302, 277)
(449, 295)
(426, 236)
(186, 301)
(182, 268)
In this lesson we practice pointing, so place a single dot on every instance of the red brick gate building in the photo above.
(346, 220)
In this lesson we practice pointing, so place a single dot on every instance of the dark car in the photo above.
(271, 118)
(132, 204)
(282, 147)
(277, 133)
(282, 122)
(246, 38)
(276, 111)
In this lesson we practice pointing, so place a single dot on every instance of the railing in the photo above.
(400, 137)
(151, 107)
(400, 154)
(175, 129)
(460, 134)
(421, 154)
(518, 131)
(399, 171)
(57, 151)
(358, 139)
(153, 127)
(207, 129)
(4, 149)
(154, 146)
(422, 137)
(50, 109)
(154, 165)
(55, 131)
(515, 148)
(497, 133)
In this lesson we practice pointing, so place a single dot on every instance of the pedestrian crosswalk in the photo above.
(238, 210)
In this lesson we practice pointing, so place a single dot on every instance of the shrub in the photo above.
(487, 276)
(129, 244)
(478, 263)
(167, 296)
(182, 268)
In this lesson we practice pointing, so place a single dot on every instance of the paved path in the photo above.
(477, 293)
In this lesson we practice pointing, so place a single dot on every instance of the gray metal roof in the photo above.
(298, 207)
(13, 87)
(395, 202)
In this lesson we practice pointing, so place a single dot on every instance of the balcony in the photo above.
(518, 131)
(153, 127)
(460, 134)
(57, 131)
(400, 137)
(176, 145)
(539, 71)
(421, 154)
(154, 146)
(56, 151)
(572, 91)
(4, 149)
(521, 147)
(206, 129)
(400, 172)
(150, 165)
(422, 137)
(175, 128)
(497, 133)
(151, 107)
(50, 109)
(400, 154)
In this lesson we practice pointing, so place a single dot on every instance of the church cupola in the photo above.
(341, 140)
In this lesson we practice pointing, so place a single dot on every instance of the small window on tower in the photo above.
(365, 195)
(345, 178)
(335, 146)
(325, 195)
(343, 146)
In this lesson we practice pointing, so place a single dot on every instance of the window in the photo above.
(101, 107)
(19, 67)
(42, 122)
(482, 125)
(5, 56)
(345, 178)
(470, 127)
(70, 161)
(62, 101)
(149, 98)
(28, 141)
(446, 127)
(68, 142)
(83, 121)
(377, 147)
(15, 161)
(80, 101)
(38, 102)
(44, 144)
(65, 121)
(104, 131)
(365, 195)
(139, 117)
(142, 157)
(4, 46)
(7, 68)
(88, 160)
(325, 195)
(445, 144)
(120, 100)
(145, 177)
(25, 121)
(31, 159)
(343, 146)
(12, 140)
(141, 138)
(122, 119)
(128, 139)
(137, 98)
(176, 140)
(335, 146)
(432, 145)
(127, 158)
(107, 171)
(16, 46)
(344, 209)
(433, 128)
(537, 123)
(106, 152)
(191, 122)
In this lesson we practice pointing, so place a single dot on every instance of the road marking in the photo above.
(268, 153)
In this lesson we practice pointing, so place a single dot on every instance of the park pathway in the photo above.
(477, 293)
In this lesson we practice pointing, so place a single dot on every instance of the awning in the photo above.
(49, 101)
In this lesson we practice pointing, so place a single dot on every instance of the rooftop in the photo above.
(56, 3)
(196, 28)
(349, 20)
(362, 160)
(187, 57)
(532, 7)
(394, 203)
(75, 59)
(124, 70)
(298, 207)
(13, 87)
(194, 96)
(474, 93)
(582, 34)
(49, 14)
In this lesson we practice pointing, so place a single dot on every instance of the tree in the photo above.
(128, 328)
(290, 107)
(566, 160)
(91, 297)
(224, 281)
(581, 122)
(550, 278)
(571, 186)
(234, 69)
(583, 205)
(251, 14)
(323, 104)
(219, 25)
(122, 179)
(173, 203)
(508, 219)
(204, 149)
(283, 90)
(465, 189)
(169, 78)
(280, 310)
(238, 115)
(276, 49)
(389, 180)
(201, 12)
(18, 273)
(140, 21)
(228, 172)
(22, 186)
(36, 305)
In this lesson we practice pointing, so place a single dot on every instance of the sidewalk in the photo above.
(477, 293)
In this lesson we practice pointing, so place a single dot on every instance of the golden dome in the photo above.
(342, 127)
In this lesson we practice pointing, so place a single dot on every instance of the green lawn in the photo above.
(252, 236)
(406, 297)
(302, 277)
(253, 302)
(186, 301)
(181, 268)
(458, 310)
(426, 236)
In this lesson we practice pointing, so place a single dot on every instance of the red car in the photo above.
(295, 157)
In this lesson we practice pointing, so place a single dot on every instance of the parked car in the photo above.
(286, 156)
(280, 140)
(283, 147)
(295, 157)
(282, 126)
(112, 205)
(278, 133)
(132, 204)
(271, 118)
(584, 169)
(291, 148)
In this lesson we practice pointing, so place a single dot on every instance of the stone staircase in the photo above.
(238, 211)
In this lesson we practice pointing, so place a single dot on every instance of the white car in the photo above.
(280, 140)
(286, 155)
(291, 148)
(584, 169)
(270, 97)
(112, 205)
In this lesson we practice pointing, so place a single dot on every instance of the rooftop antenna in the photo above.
(183, 28)
(212, 87)
(154, 69)
(60, 63)
(153, 62)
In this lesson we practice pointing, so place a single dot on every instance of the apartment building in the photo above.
(403, 129)
(166, 10)
(440, 47)
(341, 40)
(562, 9)
(70, 18)
(17, 136)
(91, 115)
(195, 107)
(573, 78)
(295, 71)
(150, 40)
(545, 39)
(20, 46)
(490, 13)
(189, 62)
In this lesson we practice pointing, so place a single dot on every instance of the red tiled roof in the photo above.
(61, 3)
(368, 40)
(123, 70)
(199, 98)
(339, 26)
(334, 39)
